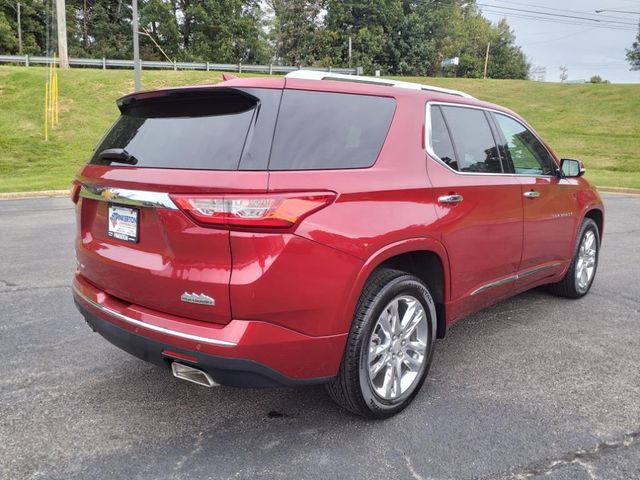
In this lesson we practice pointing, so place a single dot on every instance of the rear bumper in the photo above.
(242, 353)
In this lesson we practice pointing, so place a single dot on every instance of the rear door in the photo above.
(134, 242)
(550, 208)
(479, 205)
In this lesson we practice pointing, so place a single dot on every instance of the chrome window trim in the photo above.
(123, 196)
(155, 328)
(432, 153)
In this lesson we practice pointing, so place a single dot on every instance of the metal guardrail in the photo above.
(105, 63)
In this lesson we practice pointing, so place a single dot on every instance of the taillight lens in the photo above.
(75, 191)
(263, 211)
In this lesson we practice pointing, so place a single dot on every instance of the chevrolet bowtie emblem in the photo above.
(108, 194)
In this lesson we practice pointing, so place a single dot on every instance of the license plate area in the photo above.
(122, 223)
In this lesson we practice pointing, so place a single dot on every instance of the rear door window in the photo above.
(319, 130)
(473, 141)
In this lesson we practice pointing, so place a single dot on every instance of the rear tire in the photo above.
(390, 346)
(582, 271)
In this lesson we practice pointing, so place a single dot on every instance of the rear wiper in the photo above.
(119, 155)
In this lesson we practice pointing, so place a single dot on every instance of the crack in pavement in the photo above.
(580, 457)
(412, 470)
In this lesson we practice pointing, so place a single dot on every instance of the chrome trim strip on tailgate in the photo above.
(155, 328)
(123, 196)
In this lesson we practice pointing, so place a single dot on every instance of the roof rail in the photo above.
(339, 77)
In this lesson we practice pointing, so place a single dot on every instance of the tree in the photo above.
(227, 31)
(159, 19)
(33, 15)
(401, 37)
(598, 79)
(374, 27)
(294, 29)
(8, 40)
(99, 28)
(633, 54)
(507, 59)
(563, 74)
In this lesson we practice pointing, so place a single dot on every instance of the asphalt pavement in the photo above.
(536, 387)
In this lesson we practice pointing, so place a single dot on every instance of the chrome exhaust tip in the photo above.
(193, 375)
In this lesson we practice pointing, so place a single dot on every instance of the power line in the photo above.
(537, 12)
(557, 20)
(555, 39)
(510, 2)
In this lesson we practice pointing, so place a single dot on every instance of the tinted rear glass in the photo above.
(441, 140)
(318, 130)
(203, 130)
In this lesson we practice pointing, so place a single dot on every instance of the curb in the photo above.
(40, 194)
(622, 190)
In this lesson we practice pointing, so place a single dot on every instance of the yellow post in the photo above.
(56, 93)
(50, 110)
(57, 100)
(54, 121)
(53, 93)
(46, 112)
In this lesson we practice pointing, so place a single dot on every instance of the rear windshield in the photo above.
(318, 130)
(234, 129)
(205, 130)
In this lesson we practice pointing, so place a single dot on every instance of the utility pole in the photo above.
(62, 33)
(486, 60)
(349, 51)
(19, 31)
(136, 48)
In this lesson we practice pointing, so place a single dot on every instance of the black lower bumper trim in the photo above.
(233, 372)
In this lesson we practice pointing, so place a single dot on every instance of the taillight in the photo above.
(260, 211)
(75, 191)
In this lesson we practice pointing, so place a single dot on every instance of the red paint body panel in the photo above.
(287, 298)
(293, 354)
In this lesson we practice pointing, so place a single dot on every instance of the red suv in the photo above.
(319, 228)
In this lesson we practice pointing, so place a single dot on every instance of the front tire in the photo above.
(390, 346)
(582, 271)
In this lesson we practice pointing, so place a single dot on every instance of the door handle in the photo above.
(531, 194)
(450, 198)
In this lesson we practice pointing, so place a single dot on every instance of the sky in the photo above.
(586, 48)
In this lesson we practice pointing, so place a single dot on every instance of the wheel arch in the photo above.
(597, 215)
(423, 257)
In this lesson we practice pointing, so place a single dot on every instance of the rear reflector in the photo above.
(263, 211)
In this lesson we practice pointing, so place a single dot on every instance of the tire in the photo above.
(571, 286)
(357, 388)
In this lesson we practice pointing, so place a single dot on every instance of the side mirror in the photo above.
(572, 168)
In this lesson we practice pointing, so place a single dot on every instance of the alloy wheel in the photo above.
(397, 347)
(586, 264)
